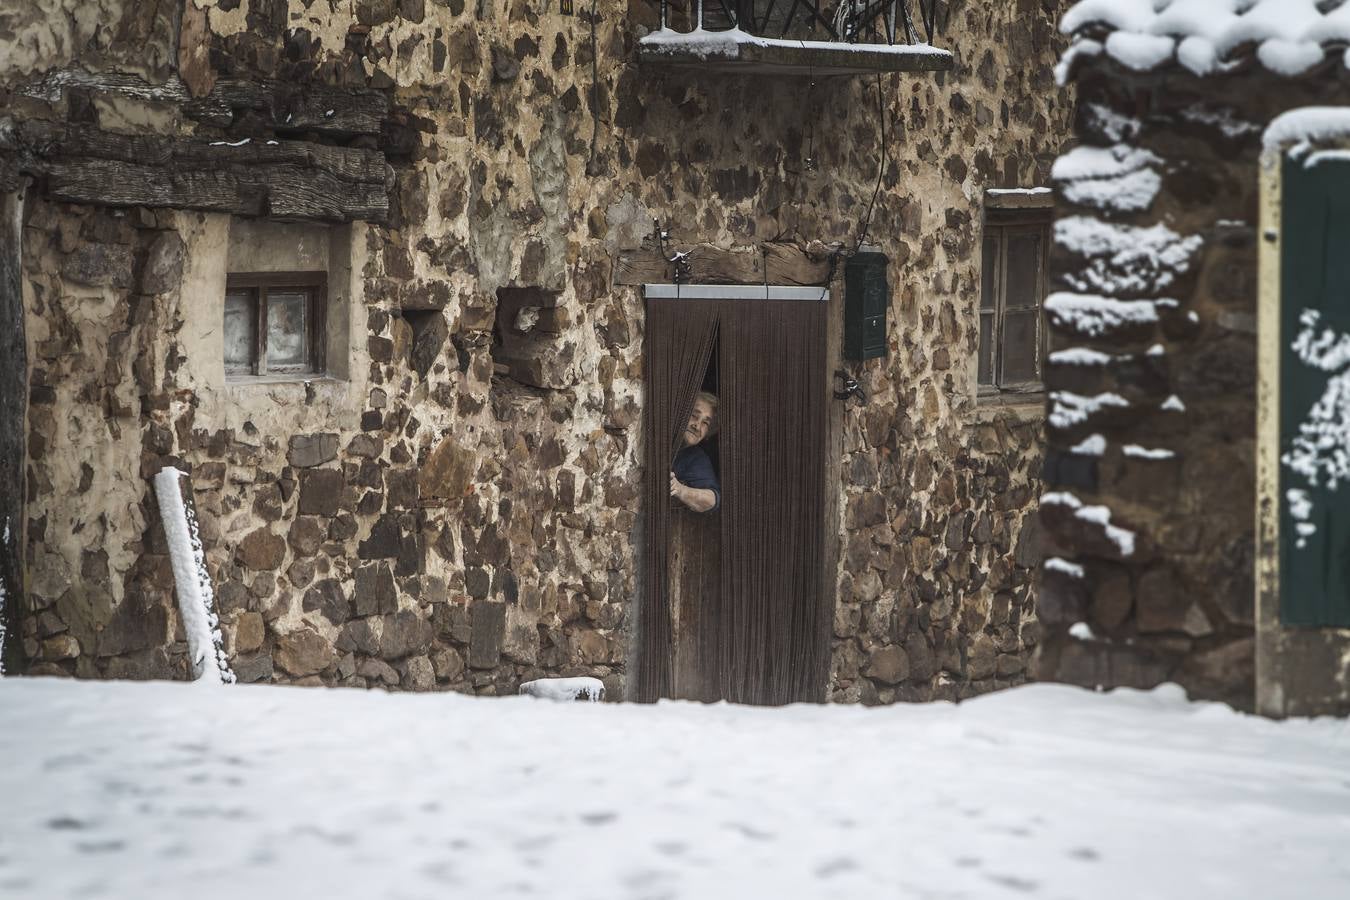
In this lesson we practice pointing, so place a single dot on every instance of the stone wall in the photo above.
(1152, 422)
(458, 513)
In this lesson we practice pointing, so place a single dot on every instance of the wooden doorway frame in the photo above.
(832, 507)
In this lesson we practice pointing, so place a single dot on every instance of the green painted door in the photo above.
(1315, 392)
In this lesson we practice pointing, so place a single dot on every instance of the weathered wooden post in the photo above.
(13, 428)
(192, 584)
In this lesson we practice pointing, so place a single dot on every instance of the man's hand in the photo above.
(697, 499)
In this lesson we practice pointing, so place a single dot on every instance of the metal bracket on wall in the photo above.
(849, 387)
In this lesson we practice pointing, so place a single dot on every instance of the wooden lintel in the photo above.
(280, 105)
(1033, 198)
(769, 263)
(326, 110)
(283, 179)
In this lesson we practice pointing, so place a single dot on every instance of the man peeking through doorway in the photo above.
(693, 481)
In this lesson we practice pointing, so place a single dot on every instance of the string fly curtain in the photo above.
(763, 621)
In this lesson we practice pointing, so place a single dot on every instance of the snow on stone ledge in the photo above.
(1093, 315)
(1064, 567)
(1082, 631)
(1068, 409)
(1080, 356)
(1129, 15)
(1289, 35)
(1140, 52)
(1123, 538)
(1079, 47)
(565, 689)
(1092, 445)
(1124, 259)
(1223, 119)
(1120, 178)
(1140, 452)
(1289, 57)
(1101, 162)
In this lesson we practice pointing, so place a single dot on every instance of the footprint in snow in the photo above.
(1012, 881)
(835, 866)
(753, 833)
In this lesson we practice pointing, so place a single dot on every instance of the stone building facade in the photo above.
(1167, 241)
(454, 504)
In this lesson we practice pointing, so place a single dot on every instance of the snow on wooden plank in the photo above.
(192, 584)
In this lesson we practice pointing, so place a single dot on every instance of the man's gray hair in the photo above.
(711, 400)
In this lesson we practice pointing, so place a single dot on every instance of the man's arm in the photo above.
(697, 499)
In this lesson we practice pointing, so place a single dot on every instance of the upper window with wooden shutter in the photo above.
(1014, 261)
(283, 308)
(274, 324)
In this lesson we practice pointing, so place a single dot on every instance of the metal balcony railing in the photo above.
(847, 21)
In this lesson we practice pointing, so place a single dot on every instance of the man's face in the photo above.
(700, 420)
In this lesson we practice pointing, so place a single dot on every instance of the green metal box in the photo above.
(866, 296)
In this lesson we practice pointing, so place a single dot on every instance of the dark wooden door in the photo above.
(1315, 394)
(750, 586)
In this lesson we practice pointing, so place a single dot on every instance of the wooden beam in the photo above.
(283, 179)
(13, 432)
(769, 263)
(285, 107)
(279, 105)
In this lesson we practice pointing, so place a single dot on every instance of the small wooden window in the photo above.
(274, 323)
(1014, 262)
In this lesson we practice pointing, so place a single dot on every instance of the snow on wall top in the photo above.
(1288, 37)
(1307, 124)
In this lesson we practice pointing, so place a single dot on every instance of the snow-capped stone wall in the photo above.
(459, 511)
(1154, 366)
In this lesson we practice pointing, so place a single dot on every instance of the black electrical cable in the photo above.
(881, 171)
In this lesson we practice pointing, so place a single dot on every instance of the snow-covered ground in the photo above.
(176, 790)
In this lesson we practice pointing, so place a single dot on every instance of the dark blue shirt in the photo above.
(693, 468)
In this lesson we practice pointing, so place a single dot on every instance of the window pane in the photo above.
(241, 331)
(1024, 268)
(287, 330)
(986, 348)
(989, 273)
(1019, 347)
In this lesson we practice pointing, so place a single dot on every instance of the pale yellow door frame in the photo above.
(1270, 698)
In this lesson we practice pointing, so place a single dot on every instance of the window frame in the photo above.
(1001, 224)
(315, 286)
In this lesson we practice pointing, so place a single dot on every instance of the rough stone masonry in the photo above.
(457, 510)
